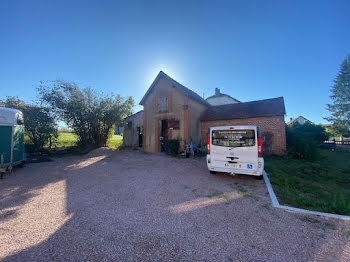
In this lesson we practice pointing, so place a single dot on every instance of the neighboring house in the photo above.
(221, 99)
(172, 111)
(133, 130)
(300, 119)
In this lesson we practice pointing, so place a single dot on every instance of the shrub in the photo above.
(315, 132)
(172, 146)
(301, 144)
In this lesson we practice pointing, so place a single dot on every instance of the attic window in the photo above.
(162, 104)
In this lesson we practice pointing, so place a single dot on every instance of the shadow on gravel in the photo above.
(133, 206)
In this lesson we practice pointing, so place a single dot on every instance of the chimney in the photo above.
(217, 91)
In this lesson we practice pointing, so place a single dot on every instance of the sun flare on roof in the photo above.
(152, 74)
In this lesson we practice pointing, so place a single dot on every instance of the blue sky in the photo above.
(249, 49)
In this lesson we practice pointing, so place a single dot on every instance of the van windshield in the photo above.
(233, 138)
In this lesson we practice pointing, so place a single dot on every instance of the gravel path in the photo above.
(132, 206)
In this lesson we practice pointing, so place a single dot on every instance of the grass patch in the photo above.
(69, 139)
(266, 206)
(115, 142)
(244, 192)
(66, 139)
(322, 185)
(219, 195)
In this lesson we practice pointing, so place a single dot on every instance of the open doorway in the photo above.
(163, 134)
(140, 135)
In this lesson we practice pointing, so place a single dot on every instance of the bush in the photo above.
(315, 132)
(301, 145)
(172, 146)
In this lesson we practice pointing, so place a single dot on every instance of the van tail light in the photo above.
(259, 146)
(208, 144)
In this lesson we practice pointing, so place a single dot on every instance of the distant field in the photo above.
(67, 139)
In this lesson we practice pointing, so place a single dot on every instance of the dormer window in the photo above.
(162, 104)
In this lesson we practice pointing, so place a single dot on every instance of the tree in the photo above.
(340, 108)
(40, 125)
(90, 115)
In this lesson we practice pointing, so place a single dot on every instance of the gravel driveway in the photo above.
(132, 206)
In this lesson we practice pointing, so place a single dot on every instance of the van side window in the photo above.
(233, 138)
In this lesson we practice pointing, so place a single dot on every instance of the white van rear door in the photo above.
(235, 147)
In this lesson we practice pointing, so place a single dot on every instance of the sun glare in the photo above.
(152, 74)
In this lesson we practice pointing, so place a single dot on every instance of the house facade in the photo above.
(172, 111)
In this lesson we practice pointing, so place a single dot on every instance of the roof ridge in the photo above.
(190, 93)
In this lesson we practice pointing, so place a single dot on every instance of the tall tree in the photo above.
(340, 108)
(90, 115)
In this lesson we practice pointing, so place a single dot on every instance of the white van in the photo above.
(235, 150)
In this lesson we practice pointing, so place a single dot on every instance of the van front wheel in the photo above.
(212, 172)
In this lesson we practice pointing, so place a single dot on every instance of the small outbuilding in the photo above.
(133, 130)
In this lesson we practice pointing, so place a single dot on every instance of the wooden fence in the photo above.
(347, 143)
(337, 145)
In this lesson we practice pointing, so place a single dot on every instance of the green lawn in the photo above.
(322, 185)
(115, 141)
(67, 139)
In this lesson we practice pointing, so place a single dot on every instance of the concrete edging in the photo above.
(276, 204)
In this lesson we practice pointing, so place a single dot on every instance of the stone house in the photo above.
(172, 111)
